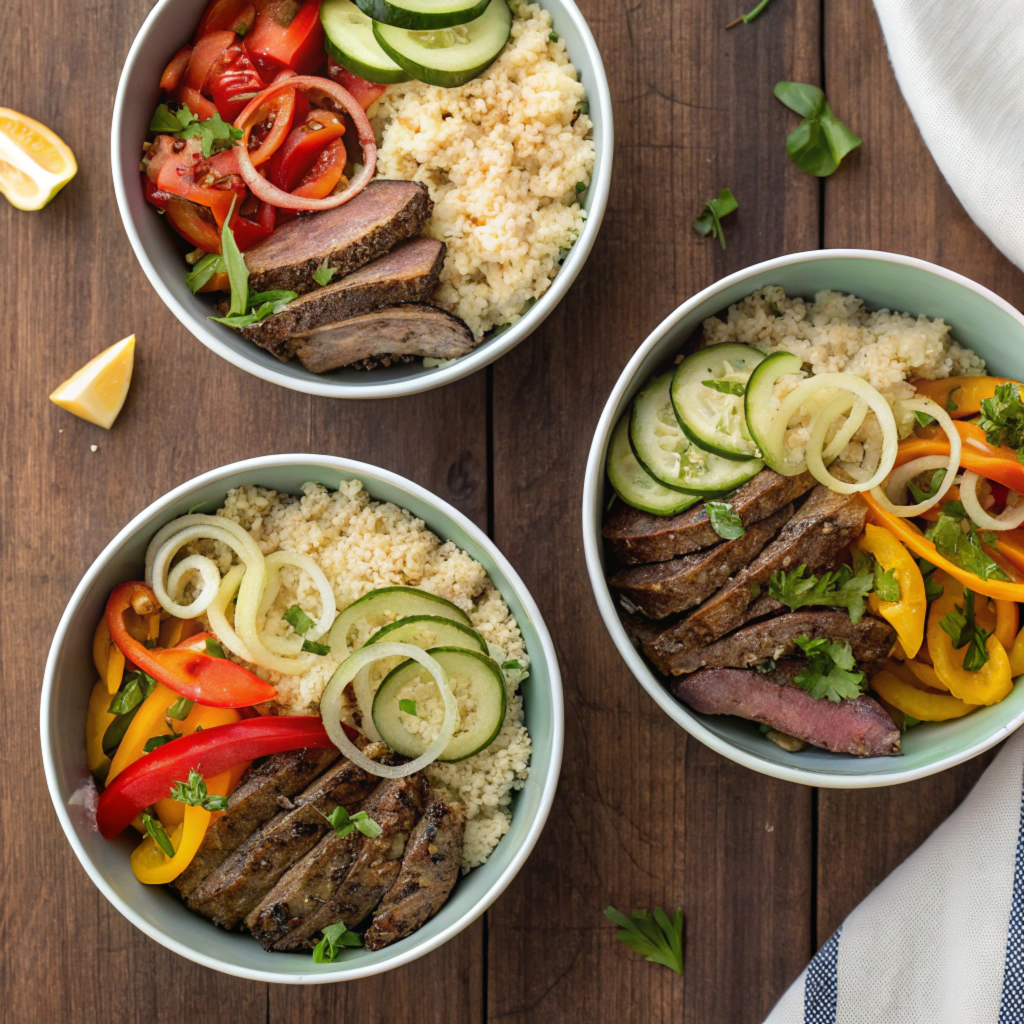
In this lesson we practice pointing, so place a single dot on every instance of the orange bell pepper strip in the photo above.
(1017, 655)
(970, 392)
(1007, 623)
(216, 682)
(994, 463)
(907, 615)
(928, 707)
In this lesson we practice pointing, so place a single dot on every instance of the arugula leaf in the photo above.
(725, 521)
(710, 220)
(964, 548)
(409, 706)
(135, 688)
(921, 494)
(311, 647)
(964, 631)
(180, 709)
(821, 140)
(343, 823)
(726, 387)
(194, 794)
(746, 19)
(844, 588)
(1002, 418)
(155, 831)
(887, 587)
(237, 271)
(323, 274)
(336, 937)
(214, 649)
(205, 267)
(657, 938)
(298, 620)
(831, 670)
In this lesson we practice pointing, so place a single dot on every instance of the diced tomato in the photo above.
(363, 91)
(327, 170)
(175, 69)
(302, 147)
(203, 108)
(194, 223)
(233, 82)
(204, 56)
(251, 229)
(236, 15)
(161, 149)
(179, 175)
(287, 34)
(155, 195)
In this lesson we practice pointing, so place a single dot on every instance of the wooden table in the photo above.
(645, 816)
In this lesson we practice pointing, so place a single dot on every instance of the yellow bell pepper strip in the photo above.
(107, 657)
(928, 707)
(992, 682)
(994, 463)
(97, 718)
(173, 631)
(153, 867)
(925, 675)
(1007, 623)
(908, 533)
(970, 392)
(1017, 655)
(907, 615)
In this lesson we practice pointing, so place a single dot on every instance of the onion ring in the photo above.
(1009, 519)
(263, 189)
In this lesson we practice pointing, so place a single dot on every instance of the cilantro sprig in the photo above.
(819, 143)
(336, 938)
(343, 823)
(831, 670)
(956, 537)
(214, 134)
(655, 936)
(725, 520)
(845, 588)
(194, 794)
(963, 629)
(1002, 418)
(710, 220)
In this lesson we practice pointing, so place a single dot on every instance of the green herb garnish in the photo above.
(180, 709)
(312, 647)
(951, 406)
(726, 387)
(214, 133)
(844, 588)
(921, 494)
(343, 823)
(513, 663)
(768, 665)
(932, 590)
(657, 938)
(1002, 419)
(135, 688)
(908, 722)
(831, 670)
(193, 793)
(746, 19)
(336, 937)
(887, 587)
(710, 220)
(158, 741)
(964, 631)
(725, 520)
(155, 831)
(298, 620)
(964, 548)
(580, 187)
(552, 37)
(821, 140)
(408, 706)
(213, 648)
(324, 273)
(924, 420)
(210, 264)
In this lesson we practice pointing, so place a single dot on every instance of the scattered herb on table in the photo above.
(336, 938)
(819, 143)
(845, 588)
(831, 670)
(343, 823)
(324, 273)
(746, 19)
(298, 620)
(726, 387)
(659, 939)
(710, 220)
(963, 546)
(1002, 418)
(964, 631)
(409, 706)
(155, 831)
(194, 794)
(214, 649)
(214, 134)
(725, 520)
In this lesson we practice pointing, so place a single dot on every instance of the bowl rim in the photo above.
(368, 474)
(593, 487)
(487, 351)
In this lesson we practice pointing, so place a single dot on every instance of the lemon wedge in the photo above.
(35, 163)
(98, 390)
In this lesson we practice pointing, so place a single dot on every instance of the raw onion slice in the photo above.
(1009, 519)
(216, 614)
(330, 708)
(263, 189)
(292, 644)
(845, 433)
(208, 572)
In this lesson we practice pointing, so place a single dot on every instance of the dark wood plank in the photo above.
(644, 816)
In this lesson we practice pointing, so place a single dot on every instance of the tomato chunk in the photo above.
(302, 147)
(171, 77)
(232, 82)
(234, 15)
(363, 91)
(287, 35)
(204, 55)
(327, 170)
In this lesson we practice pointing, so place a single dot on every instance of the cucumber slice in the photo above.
(384, 604)
(474, 677)
(449, 57)
(419, 15)
(351, 42)
(670, 456)
(634, 485)
(712, 419)
(760, 408)
(428, 631)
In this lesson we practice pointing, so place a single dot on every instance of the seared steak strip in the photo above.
(859, 727)
(642, 537)
(663, 588)
(256, 800)
(429, 871)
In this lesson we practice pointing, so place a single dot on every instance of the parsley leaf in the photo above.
(964, 631)
(821, 140)
(155, 831)
(343, 823)
(710, 220)
(408, 706)
(214, 649)
(193, 793)
(831, 670)
(1002, 418)
(205, 267)
(887, 587)
(336, 937)
(920, 493)
(311, 647)
(726, 387)
(659, 939)
(323, 274)
(214, 134)
(963, 548)
(298, 620)
(725, 520)
(844, 588)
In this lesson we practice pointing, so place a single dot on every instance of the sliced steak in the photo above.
(664, 588)
(642, 537)
(429, 871)
(385, 336)
(824, 525)
(859, 727)
(348, 237)
(871, 640)
(342, 878)
(259, 796)
(408, 273)
(248, 874)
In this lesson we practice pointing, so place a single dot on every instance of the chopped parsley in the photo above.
(923, 494)
(552, 37)
(923, 419)
(887, 587)
(214, 134)
(955, 536)
(657, 938)
(312, 647)
(1002, 419)
(831, 671)
(336, 938)
(194, 794)
(324, 273)
(821, 140)
(844, 588)
(726, 387)
(298, 620)
(155, 831)
(964, 631)
(725, 520)
(408, 706)
(932, 590)
(710, 220)
(951, 405)
(343, 823)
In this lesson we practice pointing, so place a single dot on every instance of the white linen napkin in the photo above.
(941, 940)
(960, 64)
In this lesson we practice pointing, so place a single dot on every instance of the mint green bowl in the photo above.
(70, 676)
(980, 320)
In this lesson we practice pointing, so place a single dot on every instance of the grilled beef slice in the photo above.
(642, 537)
(663, 588)
(348, 237)
(429, 871)
(342, 878)
(245, 877)
(860, 727)
(385, 336)
(257, 799)
(408, 273)
(824, 525)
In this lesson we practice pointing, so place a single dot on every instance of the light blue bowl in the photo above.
(169, 25)
(979, 319)
(70, 677)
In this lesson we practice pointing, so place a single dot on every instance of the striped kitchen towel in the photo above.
(941, 940)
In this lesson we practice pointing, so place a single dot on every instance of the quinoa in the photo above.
(362, 544)
(502, 157)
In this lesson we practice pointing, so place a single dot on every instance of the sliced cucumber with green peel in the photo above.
(423, 14)
(449, 57)
(714, 418)
(761, 410)
(428, 631)
(473, 676)
(634, 485)
(351, 42)
(664, 450)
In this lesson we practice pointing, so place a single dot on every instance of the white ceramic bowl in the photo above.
(70, 677)
(980, 320)
(169, 25)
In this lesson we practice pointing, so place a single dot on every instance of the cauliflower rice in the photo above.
(363, 544)
(502, 157)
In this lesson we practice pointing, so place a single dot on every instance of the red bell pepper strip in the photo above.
(209, 752)
(365, 92)
(171, 77)
(234, 15)
(994, 463)
(278, 40)
(216, 682)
